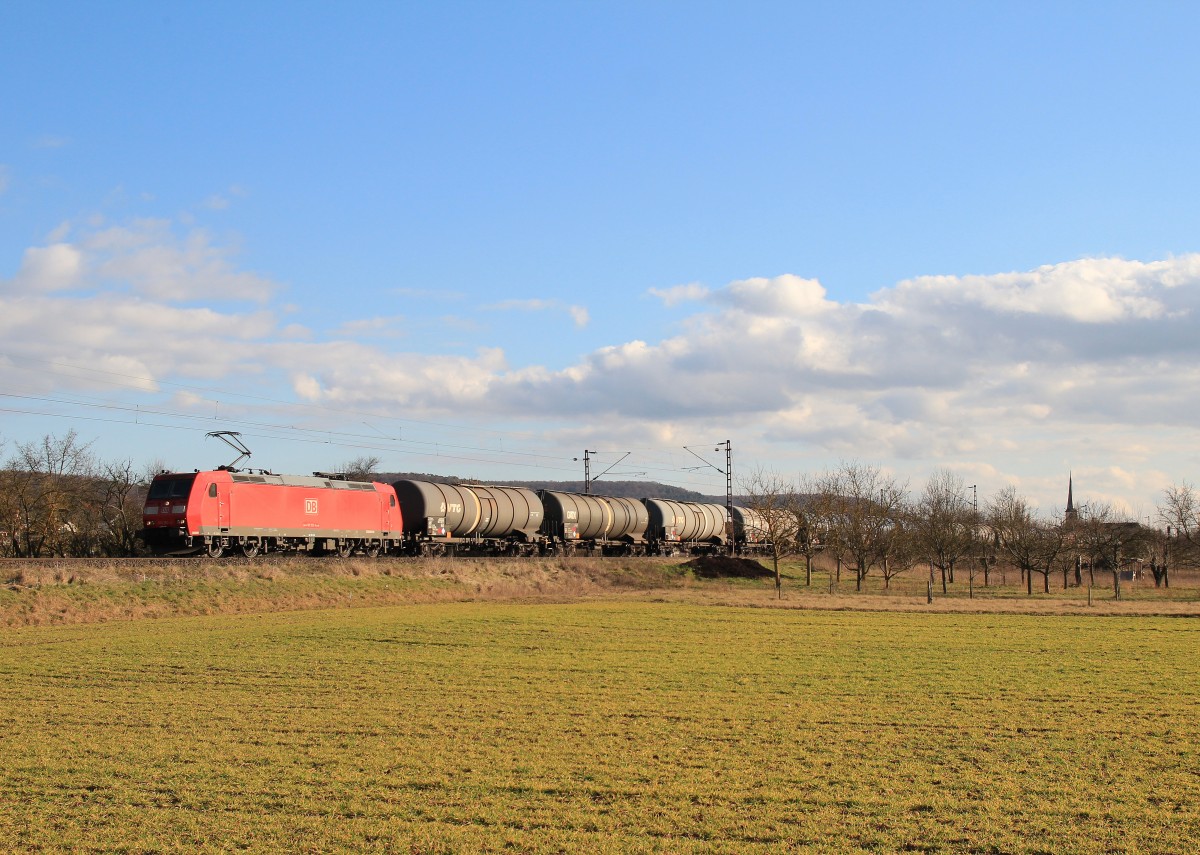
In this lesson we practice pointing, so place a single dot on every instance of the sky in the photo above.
(476, 239)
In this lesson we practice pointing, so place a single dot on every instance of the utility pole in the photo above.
(728, 487)
(728, 473)
(587, 472)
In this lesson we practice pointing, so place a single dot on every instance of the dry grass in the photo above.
(92, 591)
(37, 593)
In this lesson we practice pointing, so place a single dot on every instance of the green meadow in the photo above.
(601, 727)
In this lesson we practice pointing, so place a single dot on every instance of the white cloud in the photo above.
(153, 260)
(1091, 290)
(784, 296)
(56, 267)
(148, 257)
(1016, 376)
(677, 294)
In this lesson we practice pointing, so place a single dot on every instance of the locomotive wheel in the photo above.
(372, 550)
(250, 549)
(344, 548)
(214, 549)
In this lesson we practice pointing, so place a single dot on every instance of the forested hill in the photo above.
(620, 489)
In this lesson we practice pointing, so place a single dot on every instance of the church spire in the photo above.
(1071, 512)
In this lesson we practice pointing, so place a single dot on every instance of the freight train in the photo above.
(226, 511)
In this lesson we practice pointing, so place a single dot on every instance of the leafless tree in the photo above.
(772, 500)
(49, 481)
(900, 545)
(121, 493)
(361, 468)
(862, 506)
(945, 524)
(1180, 513)
(810, 536)
(1030, 544)
(1051, 551)
(1109, 539)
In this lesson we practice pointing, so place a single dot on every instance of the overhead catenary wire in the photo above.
(669, 452)
(433, 454)
(142, 415)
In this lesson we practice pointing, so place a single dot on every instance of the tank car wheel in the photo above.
(214, 549)
(344, 548)
(250, 549)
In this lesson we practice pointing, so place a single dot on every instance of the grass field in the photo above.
(602, 726)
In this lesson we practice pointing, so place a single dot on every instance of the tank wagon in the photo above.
(214, 512)
(686, 526)
(604, 525)
(448, 519)
(750, 530)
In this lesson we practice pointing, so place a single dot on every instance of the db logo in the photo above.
(310, 506)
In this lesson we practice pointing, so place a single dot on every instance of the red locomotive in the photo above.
(212, 512)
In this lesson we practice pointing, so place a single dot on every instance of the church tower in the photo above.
(1072, 514)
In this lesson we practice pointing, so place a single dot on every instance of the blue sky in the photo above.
(539, 227)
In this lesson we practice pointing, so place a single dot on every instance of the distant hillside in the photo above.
(620, 489)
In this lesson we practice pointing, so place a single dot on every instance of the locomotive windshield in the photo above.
(174, 487)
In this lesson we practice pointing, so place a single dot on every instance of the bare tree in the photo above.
(772, 501)
(121, 494)
(862, 506)
(49, 481)
(1019, 535)
(1158, 554)
(810, 536)
(1180, 513)
(899, 545)
(8, 510)
(945, 527)
(1109, 539)
(361, 468)
(1052, 542)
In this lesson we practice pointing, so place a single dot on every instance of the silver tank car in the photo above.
(686, 522)
(749, 526)
(582, 517)
(630, 520)
(438, 509)
(508, 512)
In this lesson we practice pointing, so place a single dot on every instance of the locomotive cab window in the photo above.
(171, 488)
(212, 490)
